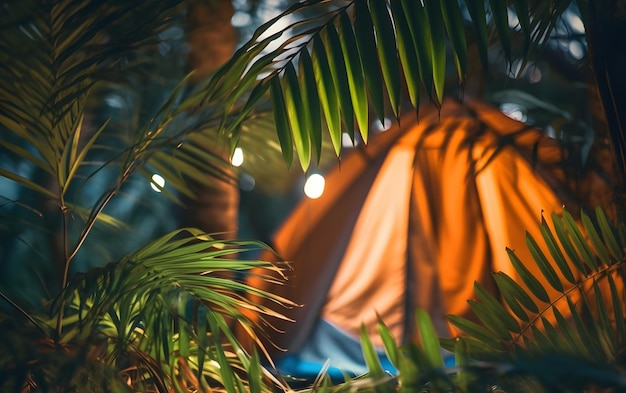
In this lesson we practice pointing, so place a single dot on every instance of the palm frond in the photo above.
(411, 38)
(584, 321)
(171, 304)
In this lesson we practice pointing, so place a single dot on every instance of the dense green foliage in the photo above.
(157, 314)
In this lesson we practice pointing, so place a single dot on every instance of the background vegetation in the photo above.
(104, 291)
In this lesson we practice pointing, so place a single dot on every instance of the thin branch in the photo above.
(22, 311)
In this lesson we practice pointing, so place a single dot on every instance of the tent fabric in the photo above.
(414, 219)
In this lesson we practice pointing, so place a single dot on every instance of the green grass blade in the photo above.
(370, 355)
(389, 342)
(429, 338)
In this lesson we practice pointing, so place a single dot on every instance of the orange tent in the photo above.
(414, 219)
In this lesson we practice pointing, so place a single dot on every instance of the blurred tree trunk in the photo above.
(212, 40)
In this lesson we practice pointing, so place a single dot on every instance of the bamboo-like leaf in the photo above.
(608, 235)
(570, 336)
(387, 51)
(543, 263)
(617, 307)
(544, 342)
(461, 360)
(407, 54)
(564, 239)
(523, 16)
(389, 342)
(621, 230)
(77, 160)
(409, 374)
(603, 314)
(555, 251)
(476, 331)
(366, 43)
(282, 122)
(512, 287)
(371, 357)
(236, 124)
(25, 155)
(500, 19)
(340, 76)
(595, 330)
(489, 320)
(356, 83)
(422, 40)
(311, 101)
(579, 240)
(452, 19)
(28, 184)
(438, 45)
(228, 377)
(594, 237)
(588, 339)
(496, 308)
(509, 298)
(230, 74)
(429, 338)
(202, 330)
(295, 109)
(327, 94)
(531, 282)
(254, 373)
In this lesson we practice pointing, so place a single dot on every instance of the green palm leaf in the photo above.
(167, 300)
(584, 321)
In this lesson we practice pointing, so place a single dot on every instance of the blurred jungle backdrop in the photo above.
(108, 143)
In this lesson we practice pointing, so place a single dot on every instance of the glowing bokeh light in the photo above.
(314, 186)
(157, 183)
(237, 158)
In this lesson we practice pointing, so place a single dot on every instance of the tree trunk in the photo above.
(212, 41)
